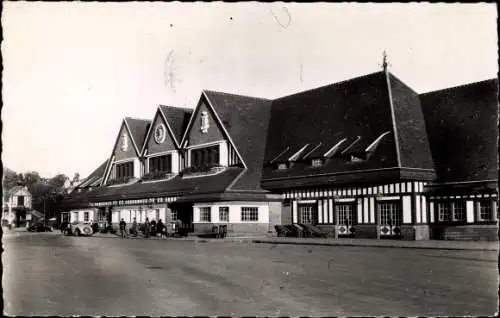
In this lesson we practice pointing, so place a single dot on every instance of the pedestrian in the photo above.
(160, 228)
(133, 230)
(153, 228)
(123, 228)
(146, 228)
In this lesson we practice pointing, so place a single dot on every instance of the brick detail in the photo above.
(365, 231)
(475, 232)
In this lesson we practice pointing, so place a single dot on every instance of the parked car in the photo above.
(78, 229)
(39, 227)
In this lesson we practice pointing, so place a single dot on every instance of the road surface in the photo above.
(49, 274)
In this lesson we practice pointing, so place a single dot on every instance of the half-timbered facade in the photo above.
(368, 157)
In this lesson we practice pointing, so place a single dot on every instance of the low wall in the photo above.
(365, 231)
(236, 229)
(471, 232)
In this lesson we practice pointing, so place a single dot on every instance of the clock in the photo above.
(160, 133)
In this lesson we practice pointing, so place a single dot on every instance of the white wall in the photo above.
(79, 215)
(234, 211)
(406, 209)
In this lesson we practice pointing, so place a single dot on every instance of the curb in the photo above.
(374, 245)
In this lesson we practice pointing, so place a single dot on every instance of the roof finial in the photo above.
(384, 61)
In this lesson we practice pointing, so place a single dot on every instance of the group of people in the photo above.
(150, 228)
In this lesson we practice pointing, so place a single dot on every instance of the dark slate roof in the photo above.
(463, 131)
(357, 107)
(173, 187)
(246, 120)
(138, 129)
(413, 145)
(178, 119)
(96, 174)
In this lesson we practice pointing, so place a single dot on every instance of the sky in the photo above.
(73, 71)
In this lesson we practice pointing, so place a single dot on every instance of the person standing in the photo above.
(123, 228)
(160, 228)
(146, 228)
(133, 230)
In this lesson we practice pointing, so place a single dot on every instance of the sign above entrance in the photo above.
(134, 201)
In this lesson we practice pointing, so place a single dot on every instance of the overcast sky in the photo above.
(72, 71)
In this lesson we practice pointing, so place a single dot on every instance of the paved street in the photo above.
(49, 274)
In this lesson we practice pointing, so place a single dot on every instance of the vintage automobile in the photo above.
(39, 227)
(78, 229)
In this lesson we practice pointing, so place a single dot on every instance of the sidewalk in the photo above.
(428, 244)
(188, 238)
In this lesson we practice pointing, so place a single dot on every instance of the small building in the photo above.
(17, 206)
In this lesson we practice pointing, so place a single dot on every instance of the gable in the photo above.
(124, 139)
(164, 142)
(195, 135)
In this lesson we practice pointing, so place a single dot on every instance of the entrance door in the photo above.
(308, 214)
(184, 213)
(390, 219)
(346, 217)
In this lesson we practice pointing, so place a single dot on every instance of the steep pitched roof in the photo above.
(173, 187)
(327, 115)
(177, 118)
(138, 130)
(246, 119)
(94, 176)
(463, 131)
(413, 143)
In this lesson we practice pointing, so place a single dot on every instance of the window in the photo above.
(160, 164)
(205, 214)
(451, 211)
(174, 216)
(224, 214)
(20, 200)
(485, 211)
(282, 166)
(157, 214)
(345, 214)
(307, 214)
(101, 215)
(390, 213)
(75, 217)
(443, 211)
(124, 170)
(208, 156)
(458, 209)
(249, 214)
(85, 216)
(317, 162)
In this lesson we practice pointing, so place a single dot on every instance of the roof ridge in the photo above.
(233, 94)
(460, 86)
(135, 118)
(177, 107)
(328, 85)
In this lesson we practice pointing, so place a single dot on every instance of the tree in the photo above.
(10, 179)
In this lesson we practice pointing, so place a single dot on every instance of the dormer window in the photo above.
(282, 166)
(317, 162)
(160, 164)
(208, 156)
